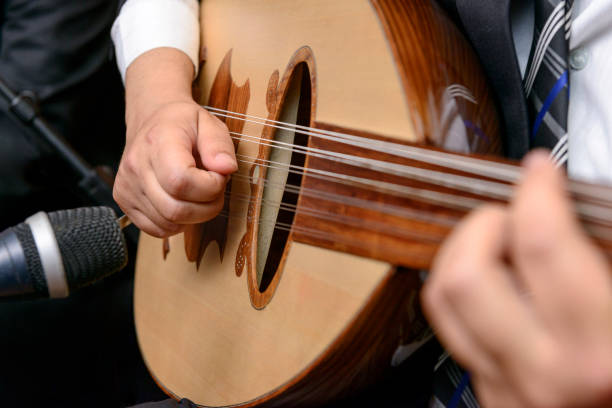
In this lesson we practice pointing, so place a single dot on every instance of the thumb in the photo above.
(215, 145)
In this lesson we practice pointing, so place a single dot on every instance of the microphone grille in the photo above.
(24, 235)
(91, 243)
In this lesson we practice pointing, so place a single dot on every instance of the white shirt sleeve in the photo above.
(143, 25)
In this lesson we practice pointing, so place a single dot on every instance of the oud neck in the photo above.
(397, 203)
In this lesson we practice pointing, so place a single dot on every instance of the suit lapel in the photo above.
(487, 25)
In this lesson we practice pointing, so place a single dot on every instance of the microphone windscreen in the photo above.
(91, 244)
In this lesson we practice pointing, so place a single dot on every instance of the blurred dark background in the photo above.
(80, 351)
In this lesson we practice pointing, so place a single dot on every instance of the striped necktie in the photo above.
(546, 80)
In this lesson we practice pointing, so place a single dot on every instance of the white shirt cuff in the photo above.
(143, 25)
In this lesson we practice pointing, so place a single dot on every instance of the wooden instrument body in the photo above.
(332, 316)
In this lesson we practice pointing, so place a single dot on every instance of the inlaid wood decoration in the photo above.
(224, 95)
(364, 130)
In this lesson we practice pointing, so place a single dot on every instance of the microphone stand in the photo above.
(23, 108)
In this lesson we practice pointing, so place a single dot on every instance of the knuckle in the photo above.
(151, 136)
(155, 134)
(176, 184)
(130, 162)
(461, 282)
(174, 212)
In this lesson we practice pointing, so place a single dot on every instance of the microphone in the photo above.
(51, 255)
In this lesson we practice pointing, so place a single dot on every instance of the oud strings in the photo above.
(507, 173)
(597, 210)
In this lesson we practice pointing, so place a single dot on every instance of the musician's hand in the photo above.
(523, 300)
(160, 184)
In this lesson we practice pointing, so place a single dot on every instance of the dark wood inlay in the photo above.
(224, 94)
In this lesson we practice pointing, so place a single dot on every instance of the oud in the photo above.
(364, 130)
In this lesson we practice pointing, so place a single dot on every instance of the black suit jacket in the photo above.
(486, 24)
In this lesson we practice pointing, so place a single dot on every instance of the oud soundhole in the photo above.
(283, 178)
